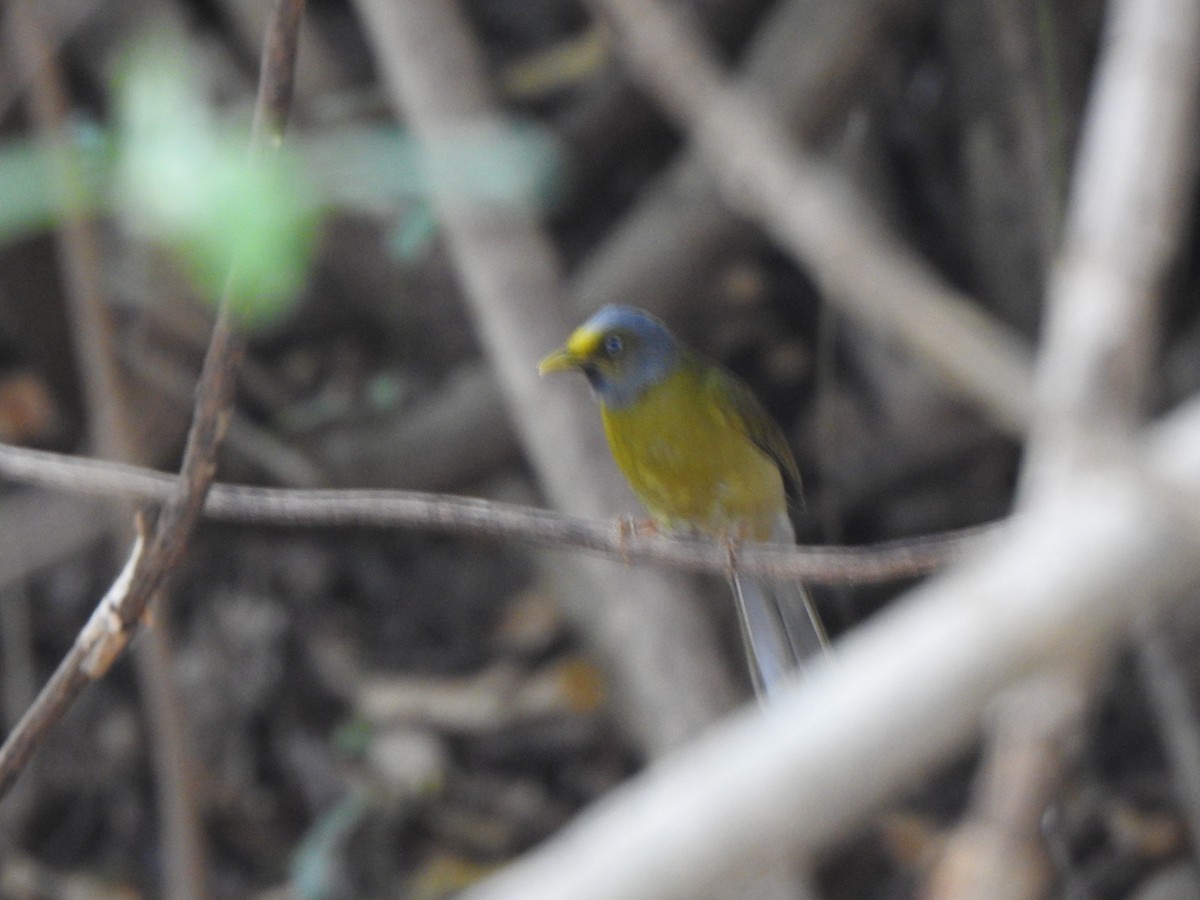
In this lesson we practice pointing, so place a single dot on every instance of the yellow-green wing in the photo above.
(736, 403)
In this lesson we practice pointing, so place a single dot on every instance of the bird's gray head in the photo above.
(623, 352)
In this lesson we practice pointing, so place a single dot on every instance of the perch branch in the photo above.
(470, 517)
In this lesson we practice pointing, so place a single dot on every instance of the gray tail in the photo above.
(781, 628)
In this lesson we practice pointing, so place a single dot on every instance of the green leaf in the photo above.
(184, 180)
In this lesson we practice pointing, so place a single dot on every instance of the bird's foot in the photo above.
(731, 540)
(632, 527)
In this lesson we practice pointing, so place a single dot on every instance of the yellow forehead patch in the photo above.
(584, 343)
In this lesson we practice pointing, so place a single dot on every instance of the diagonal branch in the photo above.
(818, 217)
(214, 397)
(808, 59)
(914, 680)
(111, 435)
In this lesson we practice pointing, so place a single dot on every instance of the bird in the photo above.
(704, 458)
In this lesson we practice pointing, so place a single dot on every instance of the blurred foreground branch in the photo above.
(903, 690)
(1132, 191)
(910, 686)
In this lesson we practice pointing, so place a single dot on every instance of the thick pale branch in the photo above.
(910, 686)
(1131, 193)
(904, 690)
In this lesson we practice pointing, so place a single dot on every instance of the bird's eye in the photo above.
(613, 345)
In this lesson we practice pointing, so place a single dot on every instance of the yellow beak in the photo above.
(559, 361)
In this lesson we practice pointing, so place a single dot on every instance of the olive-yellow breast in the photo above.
(702, 455)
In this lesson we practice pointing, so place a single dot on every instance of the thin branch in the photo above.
(470, 517)
(807, 58)
(820, 218)
(78, 245)
(215, 394)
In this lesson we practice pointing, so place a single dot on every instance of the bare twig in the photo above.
(66, 22)
(807, 58)
(816, 215)
(79, 251)
(889, 561)
(182, 509)
(906, 688)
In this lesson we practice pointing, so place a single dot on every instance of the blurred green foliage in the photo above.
(25, 201)
(173, 172)
(183, 177)
(381, 169)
